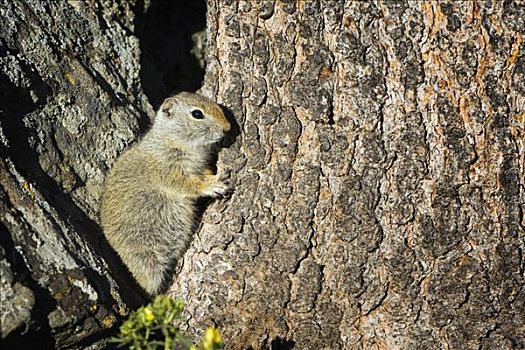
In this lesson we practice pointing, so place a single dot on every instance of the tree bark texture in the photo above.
(377, 161)
(378, 177)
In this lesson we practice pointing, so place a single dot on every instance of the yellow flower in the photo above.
(212, 339)
(149, 316)
(109, 321)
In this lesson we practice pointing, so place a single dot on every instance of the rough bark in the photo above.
(378, 168)
(378, 177)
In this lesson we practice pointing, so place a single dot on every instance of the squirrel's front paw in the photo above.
(217, 187)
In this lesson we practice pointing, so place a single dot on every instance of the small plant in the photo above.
(155, 326)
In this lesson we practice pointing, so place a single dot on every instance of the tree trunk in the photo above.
(378, 177)
(378, 165)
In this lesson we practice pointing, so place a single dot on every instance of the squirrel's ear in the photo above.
(165, 109)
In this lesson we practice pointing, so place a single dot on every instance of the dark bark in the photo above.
(71, 99)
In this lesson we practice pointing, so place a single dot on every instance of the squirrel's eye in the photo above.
(197, 114)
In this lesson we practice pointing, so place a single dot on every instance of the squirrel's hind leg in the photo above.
(151, 275)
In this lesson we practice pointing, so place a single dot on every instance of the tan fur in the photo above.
(149, 197)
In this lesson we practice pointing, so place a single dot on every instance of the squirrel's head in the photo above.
(191, 119)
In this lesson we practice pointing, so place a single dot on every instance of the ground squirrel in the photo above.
(148, 203)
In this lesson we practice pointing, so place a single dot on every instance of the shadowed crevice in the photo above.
(165, 30)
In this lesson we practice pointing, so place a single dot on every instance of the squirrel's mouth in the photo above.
(219, 134)
(215, 137)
